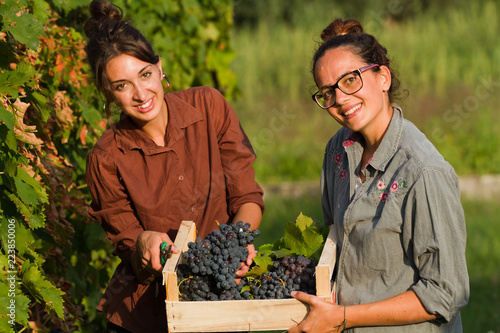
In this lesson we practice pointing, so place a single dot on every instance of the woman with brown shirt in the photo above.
(171, 157)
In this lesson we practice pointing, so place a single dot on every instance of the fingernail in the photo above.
(293, 293)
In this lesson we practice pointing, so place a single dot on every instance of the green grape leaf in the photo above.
(11, 296)
(5, 325)
(263, 261)
(304, 237)
(266, 249)
(42, 196)
(42, 289)
(26, 192)
(303, 222)
(294, 240)
(312, 241)
(300, 238)
(7, 118)
(302, 242)
(28, 252)
(26, 30)
(40, 102)
(245, 288)
(34, 219)
(22, 305)
(10, 82)
(8, 137)
(21, 315)
(41, 10)
(283, 253)
(262, 265)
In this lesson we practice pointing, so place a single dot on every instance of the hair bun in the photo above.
(101, 11)
(340, 27)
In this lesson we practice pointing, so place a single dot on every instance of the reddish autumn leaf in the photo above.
(83, 135)
(22, 131)
(63, 112)
(59, 64)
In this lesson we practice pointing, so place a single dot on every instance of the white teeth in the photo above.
(351, 111)
(143, 106)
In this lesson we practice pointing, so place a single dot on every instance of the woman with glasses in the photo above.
(171, 157)
(392, 201)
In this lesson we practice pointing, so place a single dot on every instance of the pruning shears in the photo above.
(165, 252)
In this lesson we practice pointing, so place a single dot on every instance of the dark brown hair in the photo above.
(111, 36)
(349, 34)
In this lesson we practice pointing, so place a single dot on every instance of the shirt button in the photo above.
(181, 177)
(193, 209)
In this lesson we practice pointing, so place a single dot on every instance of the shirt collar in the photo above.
(180, 115)
(388, 145)
(390, 141)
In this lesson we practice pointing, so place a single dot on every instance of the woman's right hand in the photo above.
(323, 316)
(146, 257)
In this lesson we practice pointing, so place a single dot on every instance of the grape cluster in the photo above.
(209, 268)
(287, 274)
(210, 264)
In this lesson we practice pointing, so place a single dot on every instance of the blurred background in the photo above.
(258, 53)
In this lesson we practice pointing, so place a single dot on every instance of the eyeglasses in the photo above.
(348, 83)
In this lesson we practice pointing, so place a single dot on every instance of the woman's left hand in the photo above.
(245, 265)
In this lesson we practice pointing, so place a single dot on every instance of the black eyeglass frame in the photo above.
(336, 85)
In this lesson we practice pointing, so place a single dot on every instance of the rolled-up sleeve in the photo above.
(436, 242)
(237, 157)
(111, 205)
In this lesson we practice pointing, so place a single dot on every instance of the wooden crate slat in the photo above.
(252, 315)
(325, 267)
(186, 234)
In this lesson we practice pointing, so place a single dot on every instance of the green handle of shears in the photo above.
(165, 251)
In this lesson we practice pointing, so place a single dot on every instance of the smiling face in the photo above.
(367, 111)
(137, 88)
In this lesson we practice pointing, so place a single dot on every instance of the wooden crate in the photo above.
(241, 315)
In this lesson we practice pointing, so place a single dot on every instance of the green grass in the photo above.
(482, 315)
(448, 60)
(483, 259)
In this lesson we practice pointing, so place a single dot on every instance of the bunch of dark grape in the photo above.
(287, 274)
(209, 265)
(209, 268)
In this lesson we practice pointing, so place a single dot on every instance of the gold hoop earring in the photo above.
(165, 77)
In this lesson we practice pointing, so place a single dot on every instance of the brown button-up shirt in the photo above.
(204, 173)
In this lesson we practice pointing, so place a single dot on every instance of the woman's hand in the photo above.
(145, 259)
(323, 316)
(245, 265)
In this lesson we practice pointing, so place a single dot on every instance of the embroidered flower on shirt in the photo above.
(350, 139)
(338, 158)
(394, 187)
(348, 142)
(383, 192)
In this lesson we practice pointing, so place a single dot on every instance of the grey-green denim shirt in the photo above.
(404, 229)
